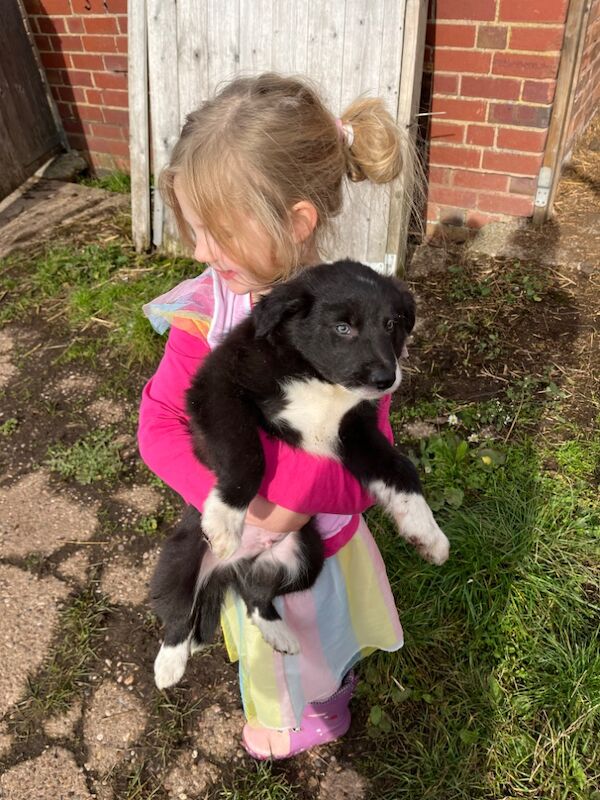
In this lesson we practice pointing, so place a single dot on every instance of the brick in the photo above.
(73, 125)
(440, 35)
(116, 116)
(115, 63)
(75, 24)
(457, 198)
(56, 77)
(525, 186)
(122, 24)
(55, 7)
(117, 6)
(71, 44)
(87, 61)
(517, 114)
(483, 135)
(65, 109)
(538, 91)
(110, 80)
(477, 219)
(94, 97)
(545, 39)
(448, 131)
(452, 216)
(506, 204)
(86, 7)
(51, 25)
(443, 154)
(43, 43)
(511, 163)
(525, 66)
(480, 180)
(533, 10)
(495, 88)
(492, 37)
(90, 113)
(121, 44)
(111, 97)
(99, 44)
(80, 78)
(71, 94)
(466, 9)
(112, 146)
(527, 141)
(444, 83)
(109, 131)
(55, 60)
(461, 60)
(440, 175)
(468, 110)
(98, 25)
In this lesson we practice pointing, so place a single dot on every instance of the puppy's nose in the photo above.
(382, 378)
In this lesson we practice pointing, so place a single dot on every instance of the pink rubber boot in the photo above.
(321, 723)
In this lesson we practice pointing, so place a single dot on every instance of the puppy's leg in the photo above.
(393, 480)
(292, 565)
(172, 591)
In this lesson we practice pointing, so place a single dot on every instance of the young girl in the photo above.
(253, 181)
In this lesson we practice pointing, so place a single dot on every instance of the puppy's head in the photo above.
(347, 321)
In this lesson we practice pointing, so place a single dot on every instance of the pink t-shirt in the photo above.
(293, 479)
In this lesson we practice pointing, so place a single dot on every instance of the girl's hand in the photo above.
(274, 518)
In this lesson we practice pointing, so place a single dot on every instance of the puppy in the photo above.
(307, 366)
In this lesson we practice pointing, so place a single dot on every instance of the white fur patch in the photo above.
(415, 521)
(276, 633)
(222, 524)
(283, 554)
(315, 409)
(170, 663)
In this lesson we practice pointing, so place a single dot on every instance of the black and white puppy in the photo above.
(307, 366)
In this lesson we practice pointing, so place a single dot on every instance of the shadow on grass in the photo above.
(497, 690)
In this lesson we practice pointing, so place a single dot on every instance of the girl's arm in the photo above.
(294, 480)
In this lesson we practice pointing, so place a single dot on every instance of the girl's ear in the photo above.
(304, 220)
(280, 304)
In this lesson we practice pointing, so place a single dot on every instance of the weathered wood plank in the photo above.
(139, 144)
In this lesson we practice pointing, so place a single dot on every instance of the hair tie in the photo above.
(346, 131)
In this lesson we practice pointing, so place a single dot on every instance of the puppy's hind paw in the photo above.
(276, 633)
(170, 663)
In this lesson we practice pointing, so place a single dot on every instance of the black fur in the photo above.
(299, 331)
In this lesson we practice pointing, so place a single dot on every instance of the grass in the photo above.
(94, 457)
(117, 181)
(496, 693)
(98, 291)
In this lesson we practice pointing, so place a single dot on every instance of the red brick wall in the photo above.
(491, 66)
(587, 93)
(83, 47)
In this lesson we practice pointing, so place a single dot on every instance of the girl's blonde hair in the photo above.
(263, 144)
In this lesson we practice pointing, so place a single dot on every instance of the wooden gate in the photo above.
(29, 133)
(347, 47)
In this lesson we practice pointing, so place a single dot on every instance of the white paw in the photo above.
(415, 522)
(169, 664)
(419, 527)
(277, 634)
(222, 525)
(195, 646)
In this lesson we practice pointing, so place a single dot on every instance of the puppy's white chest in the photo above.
(315, 409)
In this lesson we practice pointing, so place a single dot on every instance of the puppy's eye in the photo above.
(389, 325)
(343, 328)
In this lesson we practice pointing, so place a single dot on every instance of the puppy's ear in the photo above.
(405, 303)
(281, 303)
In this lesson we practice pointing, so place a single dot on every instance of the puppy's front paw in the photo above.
(222, 525)
(418, 526)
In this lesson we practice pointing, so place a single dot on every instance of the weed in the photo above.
(9, 426)
(259, 783)
(95, 457)
(117, 181)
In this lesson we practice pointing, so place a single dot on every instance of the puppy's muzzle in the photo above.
(382, 378)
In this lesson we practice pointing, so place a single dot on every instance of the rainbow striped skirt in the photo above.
(348, 614)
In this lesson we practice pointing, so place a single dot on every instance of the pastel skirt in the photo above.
(348, 614)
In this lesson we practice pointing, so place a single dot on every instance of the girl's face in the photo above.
(239, 279)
